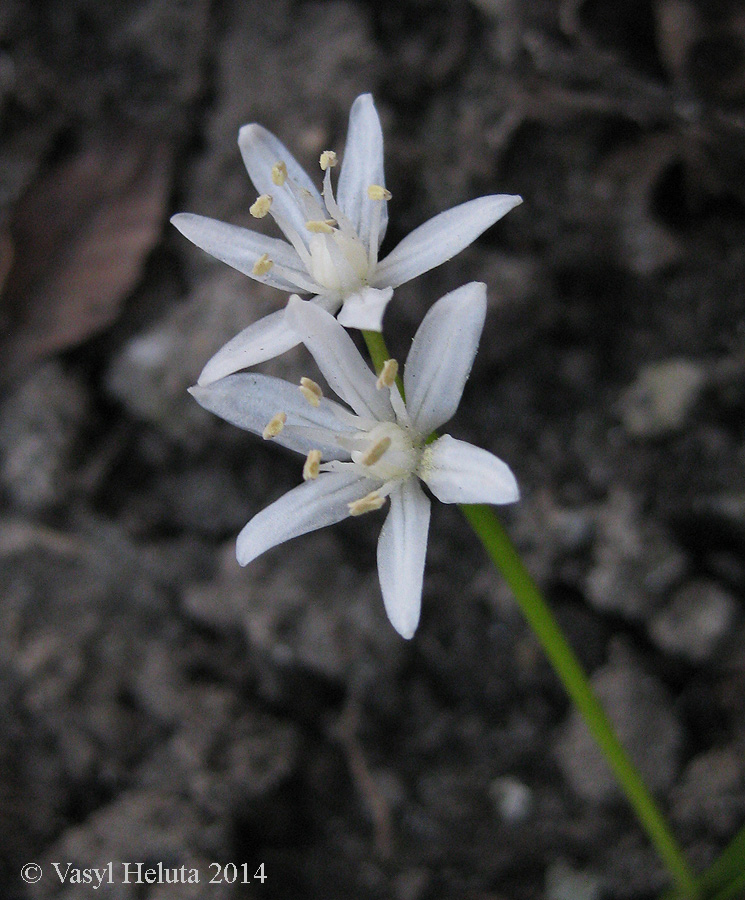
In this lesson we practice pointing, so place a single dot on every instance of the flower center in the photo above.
(388, 452)
(338, 261)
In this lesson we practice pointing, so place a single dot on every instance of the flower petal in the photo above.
(261, 150)
(308, 507)
(339, 360)
(442, 354)
(364, 309)
(441, 238)
(362, 165)
(457, 472)
(264, 339)
(241, 248)
(250, 401)
(402, 548)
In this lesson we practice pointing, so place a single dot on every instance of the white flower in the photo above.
(354, 460)
(333, 246)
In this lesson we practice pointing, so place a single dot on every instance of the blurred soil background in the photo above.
(157, 702)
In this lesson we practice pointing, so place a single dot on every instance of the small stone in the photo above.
(563, 882)
(662, 398)
(711, 793)
(512, 799)
(635, 563)
(39, 424)
(695, 621)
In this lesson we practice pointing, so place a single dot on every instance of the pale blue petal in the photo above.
(364, 309)
(264, 339)
(312, 505)
(241, 248)
(340, 362)
(402, 548)
(442, 354)
(362, 165)
(441, 238)
(261, 150)
(457, 472)
(250, 401)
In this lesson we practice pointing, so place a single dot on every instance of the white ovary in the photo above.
(339, 262)
(388, 452)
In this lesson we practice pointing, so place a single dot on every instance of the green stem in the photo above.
(535, 609)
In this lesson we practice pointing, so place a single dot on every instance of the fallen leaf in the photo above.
(81, 235)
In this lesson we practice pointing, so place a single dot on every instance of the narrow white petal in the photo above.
(312, 505)
(241, 247)
(265, 339)
(341, 364)
(441, 238)
(362, 165)
(402, 548)
(261, 150)
(364, 309)
(457, 472)
(442, 354)
(250, 401)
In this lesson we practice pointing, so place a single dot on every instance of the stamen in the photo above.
(262, 265)
(279, 173)
(311, 391)
(274, 426)
(328, 160)
(387, 374)
(311, 468)
(378, 192)
(375, 452)
(261, 206)
(321, 226)
(372, 501)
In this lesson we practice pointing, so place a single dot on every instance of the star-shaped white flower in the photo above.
(355, 459)
(334, 240)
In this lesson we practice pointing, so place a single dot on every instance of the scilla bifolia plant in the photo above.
(380, 445)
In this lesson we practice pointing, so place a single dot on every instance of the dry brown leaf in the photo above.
(81, 237)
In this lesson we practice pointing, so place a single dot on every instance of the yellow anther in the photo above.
(366, 504)
(321, 226)
(262, 265)
(261, 206)
(375, 452)
(328, 160)
(311, 391)
(387, 374)
(311, 466)
(279, 173)
(378, 192)
(274, 426)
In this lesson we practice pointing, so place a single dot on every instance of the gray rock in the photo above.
(638, 706)
(662, 398)
(711, 795)
(300, 606)
(512, 799)
(635, 563)
(40, 421)
(695, 621)
(563, 882)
